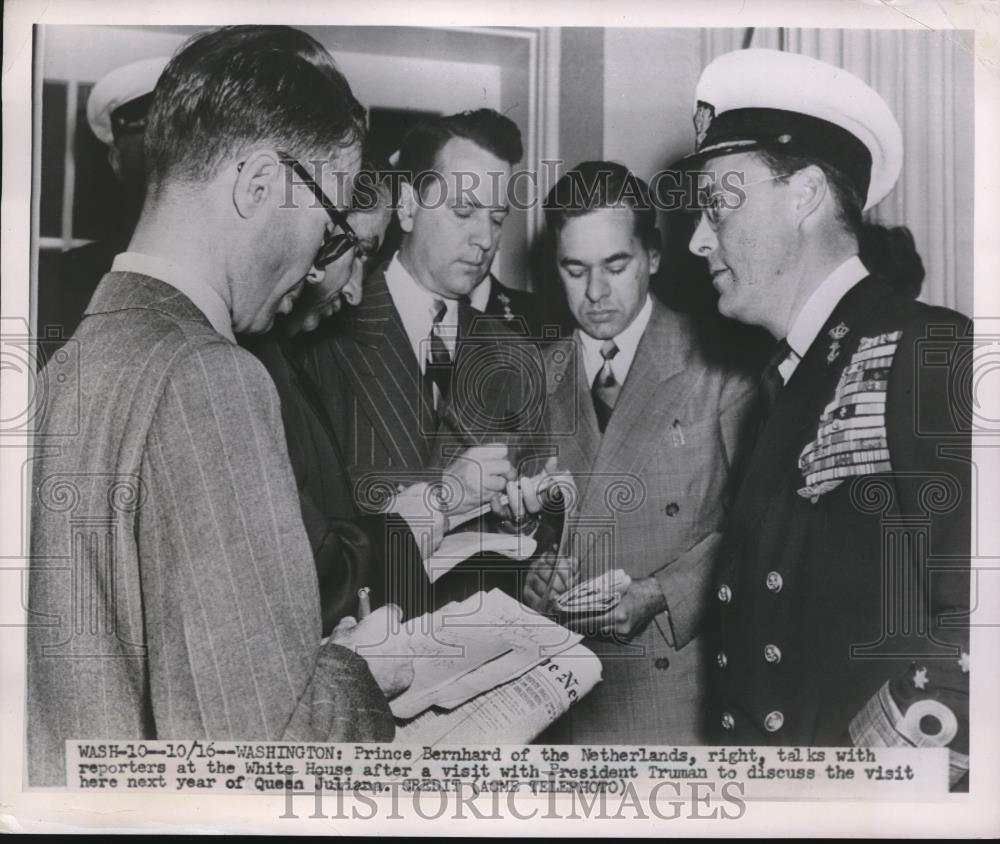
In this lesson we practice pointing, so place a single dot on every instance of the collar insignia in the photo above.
(504, 300)
(836, 334)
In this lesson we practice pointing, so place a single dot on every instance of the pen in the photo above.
(677, 433)
(364, 602)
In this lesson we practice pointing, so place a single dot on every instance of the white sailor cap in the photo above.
(793, 104)
(119, 101)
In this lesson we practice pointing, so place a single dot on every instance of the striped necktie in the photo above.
(438, 357)
(605, 389)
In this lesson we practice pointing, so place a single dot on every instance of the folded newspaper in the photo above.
(490, 669)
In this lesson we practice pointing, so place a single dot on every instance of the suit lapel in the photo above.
(658, 384)
(571, 414)
(384, 375)
(801, 401)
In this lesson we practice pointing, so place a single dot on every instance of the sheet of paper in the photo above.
(467, 648)
(534, 638)
(457, 547)
(440, 659)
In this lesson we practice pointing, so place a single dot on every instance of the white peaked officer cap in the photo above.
(119, 101)
(796, 105)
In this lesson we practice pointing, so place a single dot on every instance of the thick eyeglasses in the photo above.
(337, 244)
(721, 203)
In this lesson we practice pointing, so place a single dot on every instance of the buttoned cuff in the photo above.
(415, 506)
(663, 619)
(678, 622)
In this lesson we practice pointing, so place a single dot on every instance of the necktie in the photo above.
(771, 381)
(605, 388)
(438, 358)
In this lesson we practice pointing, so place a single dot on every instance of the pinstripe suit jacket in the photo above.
(652, 497)
(381, 408)
(372, 387)
(172, 590)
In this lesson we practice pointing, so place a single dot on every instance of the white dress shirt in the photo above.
(189, 282)
(817, 309)
(627, 343)
(479, 298)
(415, 304)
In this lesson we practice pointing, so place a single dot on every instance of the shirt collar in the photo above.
(480, 296)
(817, 309)
(415, 304)
(187, 281)
(627, 343)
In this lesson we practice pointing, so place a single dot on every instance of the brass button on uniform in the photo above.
(672, 509)
(774, 581)
(772, 653)
(774, 721)
(662, 663)
(728, 722)
(722, 659)
(725, 594)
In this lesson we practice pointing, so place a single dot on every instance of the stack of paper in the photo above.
(470, 647)
(598, 595)
(513, 713)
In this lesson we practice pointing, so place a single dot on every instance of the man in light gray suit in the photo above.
(652, 429)
(172, 589)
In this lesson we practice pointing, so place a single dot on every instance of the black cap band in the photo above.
(789, 133)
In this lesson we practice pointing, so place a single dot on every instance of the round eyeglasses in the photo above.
(720, 203)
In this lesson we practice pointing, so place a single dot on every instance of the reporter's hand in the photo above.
(529, 493)
(548, 577)
(380, 640)
(640, 603)
(475, 477)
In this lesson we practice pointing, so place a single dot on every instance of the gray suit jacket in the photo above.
(172, 591)
(653, 493)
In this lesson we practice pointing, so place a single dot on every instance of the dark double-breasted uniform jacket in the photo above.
(843, 590)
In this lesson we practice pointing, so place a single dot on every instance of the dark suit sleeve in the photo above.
(349, 551)
(497, 396)
(929, 438)
(376, 551)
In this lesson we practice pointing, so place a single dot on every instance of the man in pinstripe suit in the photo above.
(172, 590)
(331, 521)
(414, 379)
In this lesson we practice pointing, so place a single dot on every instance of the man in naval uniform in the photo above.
(843, 590)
